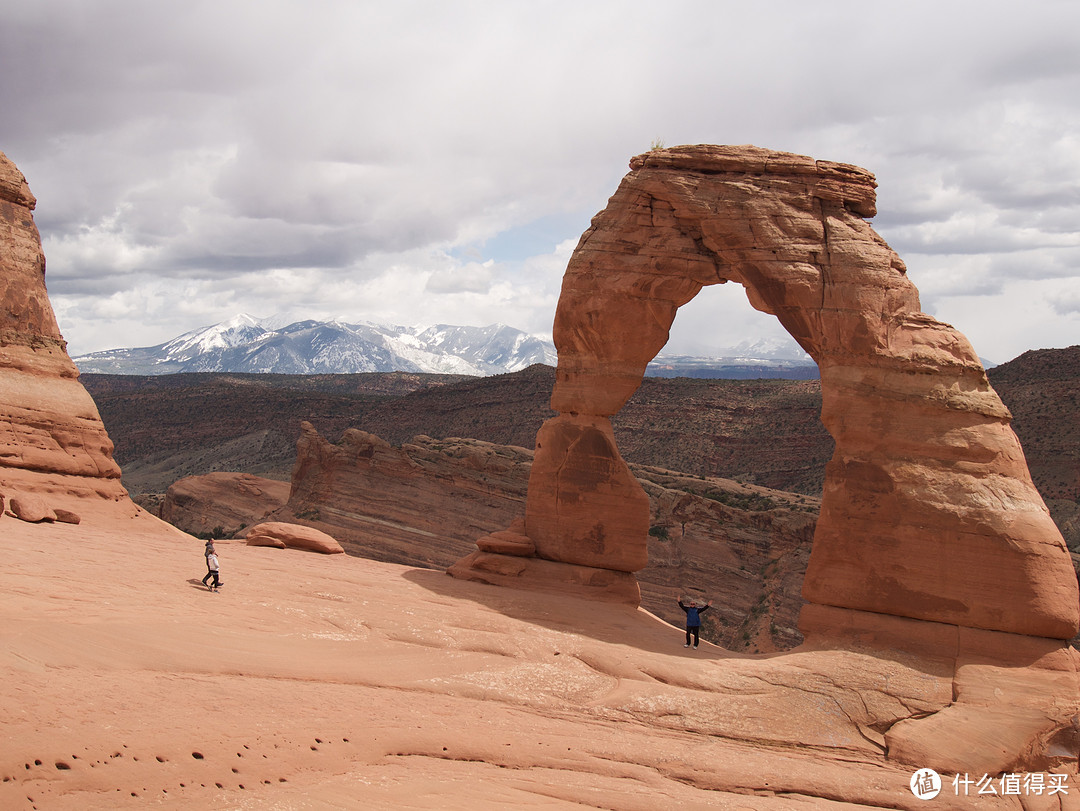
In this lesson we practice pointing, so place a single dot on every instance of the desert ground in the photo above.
(312, 681)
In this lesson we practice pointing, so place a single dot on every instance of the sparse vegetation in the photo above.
(752, 502)
(659, 532)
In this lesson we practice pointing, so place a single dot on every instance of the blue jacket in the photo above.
(693, 615)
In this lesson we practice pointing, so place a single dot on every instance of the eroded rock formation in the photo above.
(53, 443)
(221, 504)
(416, 504)
(292, 536)
(928, 509)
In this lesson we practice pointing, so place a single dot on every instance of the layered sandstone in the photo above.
(928, 510)
(426, 503)
(53, 442)
(153, 691)
(422, 503)
(221, 504)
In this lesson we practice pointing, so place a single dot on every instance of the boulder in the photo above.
(261, 539)
(295, 536)
(66, 516)
(31, 508)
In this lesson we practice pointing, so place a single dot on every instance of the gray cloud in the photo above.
(344, 157)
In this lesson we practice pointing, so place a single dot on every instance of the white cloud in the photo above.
(474, 277)
(1066, 302)
(996, 325)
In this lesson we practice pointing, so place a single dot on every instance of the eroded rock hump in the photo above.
(221, 504)
(293, 536)
(52, 442)
(928, 509)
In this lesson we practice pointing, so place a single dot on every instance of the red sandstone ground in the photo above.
(314, 681)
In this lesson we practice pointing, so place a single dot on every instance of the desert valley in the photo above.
(893, 591)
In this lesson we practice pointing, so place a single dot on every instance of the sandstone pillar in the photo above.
(52, 440)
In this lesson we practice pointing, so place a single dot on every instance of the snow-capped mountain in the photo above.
(780, 349)
(243, 329)
(247, 344)
(254, 345)
(748, 359)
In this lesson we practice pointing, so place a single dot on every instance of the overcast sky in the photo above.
(435, 162)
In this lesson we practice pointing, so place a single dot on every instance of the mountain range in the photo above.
(252, 345)
(245, 344)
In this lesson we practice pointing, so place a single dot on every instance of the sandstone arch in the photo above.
(928, 509)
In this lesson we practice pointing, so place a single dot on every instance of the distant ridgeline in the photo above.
(249, 345)
(732, 368)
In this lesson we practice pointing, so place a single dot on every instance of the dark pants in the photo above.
(692, 629)
(212, 573)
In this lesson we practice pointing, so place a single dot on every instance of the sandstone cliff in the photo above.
(426, 503)
(219, 505)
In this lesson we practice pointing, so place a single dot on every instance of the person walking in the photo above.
(693, 620)
(212, 567)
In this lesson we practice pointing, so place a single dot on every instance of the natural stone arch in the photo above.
(928, 510)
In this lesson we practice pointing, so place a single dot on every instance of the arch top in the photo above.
(789, 228)
(852, 185)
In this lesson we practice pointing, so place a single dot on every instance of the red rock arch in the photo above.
(928, 508)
